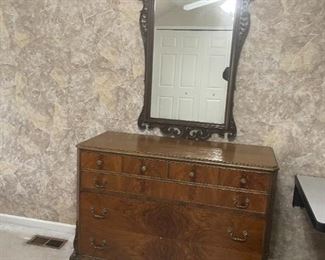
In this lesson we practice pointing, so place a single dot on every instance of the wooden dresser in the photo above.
(158, 198)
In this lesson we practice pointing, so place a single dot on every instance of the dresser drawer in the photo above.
(145, 166)
(175, 191)
(103, 215)
(100, 161)
(228, 177)
(117, 245)
(194, 173)
(245, 179)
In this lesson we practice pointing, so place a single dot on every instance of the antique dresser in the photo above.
(149, 197)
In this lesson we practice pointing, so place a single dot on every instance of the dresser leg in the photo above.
(74, 256)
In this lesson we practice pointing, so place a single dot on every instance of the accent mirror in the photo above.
(192, 48)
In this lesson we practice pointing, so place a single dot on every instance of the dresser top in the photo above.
(226, 154)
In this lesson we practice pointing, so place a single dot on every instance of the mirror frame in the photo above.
(191, 129)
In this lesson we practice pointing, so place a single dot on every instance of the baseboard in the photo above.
(37, 223)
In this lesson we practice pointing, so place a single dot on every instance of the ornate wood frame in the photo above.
(190, 129)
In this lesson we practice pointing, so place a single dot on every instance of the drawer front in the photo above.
(117, 245)
(145, 166)
(200, 173)
(100, 161)
(175, 191)
(245, 179)
(194, 173)
(104, 217)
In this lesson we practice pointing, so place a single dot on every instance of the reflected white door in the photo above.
(187, 79)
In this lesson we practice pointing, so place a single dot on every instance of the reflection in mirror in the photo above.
(192, 49)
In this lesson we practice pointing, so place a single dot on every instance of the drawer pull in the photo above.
(102, 246)
(99, 185)
(243, 181)
(240, 205)
(191, 174)
(95, 215)
(99, 162)
(233, 237)
(143, 168)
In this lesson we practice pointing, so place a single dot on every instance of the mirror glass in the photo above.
(192, 49)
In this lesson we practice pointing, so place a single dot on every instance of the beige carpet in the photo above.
(13, 244)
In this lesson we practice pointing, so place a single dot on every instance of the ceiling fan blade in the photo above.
(198, 4)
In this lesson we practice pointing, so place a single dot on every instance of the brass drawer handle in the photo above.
(240, 205)
(101, 216)
(232, 235)
(101, 246)
(191, 174)
(99, 185)
(144, 168)
(99, 162)
(243, 181)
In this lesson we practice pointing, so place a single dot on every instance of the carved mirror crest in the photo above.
(192, 49)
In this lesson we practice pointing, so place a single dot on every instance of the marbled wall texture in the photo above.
(70, 69)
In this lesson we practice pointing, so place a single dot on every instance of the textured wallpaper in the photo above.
(71, 69)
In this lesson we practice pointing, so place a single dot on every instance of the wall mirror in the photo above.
(192, 49)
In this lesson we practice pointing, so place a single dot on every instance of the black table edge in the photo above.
(300, 200)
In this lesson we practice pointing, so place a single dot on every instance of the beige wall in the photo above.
(70, 69)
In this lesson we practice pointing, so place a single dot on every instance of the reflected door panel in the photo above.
(214, 87)
(187, 75)
(182, 70)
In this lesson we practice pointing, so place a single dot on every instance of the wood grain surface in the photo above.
(230, 154)
(145, 197)
(174, 191)
(167, 220)
(155, 228)
(132, 246)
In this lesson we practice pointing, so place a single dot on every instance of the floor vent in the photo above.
(51, 242)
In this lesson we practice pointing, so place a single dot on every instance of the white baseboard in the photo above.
(37, 223)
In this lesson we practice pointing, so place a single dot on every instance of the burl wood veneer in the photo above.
(148, 197)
